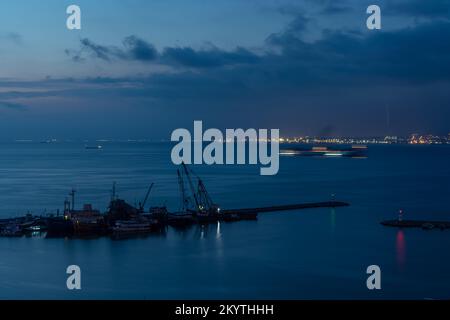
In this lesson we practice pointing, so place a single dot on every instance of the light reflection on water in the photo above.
(333, 219)
(401, 249)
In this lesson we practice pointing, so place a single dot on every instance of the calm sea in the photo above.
(307, 254)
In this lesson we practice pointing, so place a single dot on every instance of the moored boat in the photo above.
(59, 227)
(131, 227)
(354, 151)
(11, 230)
(180, 219)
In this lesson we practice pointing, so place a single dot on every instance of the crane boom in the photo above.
(191, 185)
(146, 196)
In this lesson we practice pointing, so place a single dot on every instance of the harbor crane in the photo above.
(142, 204)
(204, 205)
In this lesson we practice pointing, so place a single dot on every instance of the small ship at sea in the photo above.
(354, 151)
(122, 220)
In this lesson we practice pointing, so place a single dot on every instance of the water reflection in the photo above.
(203, 230)
(401, 249)
(35, 234)
(333, 219)
(218, 232)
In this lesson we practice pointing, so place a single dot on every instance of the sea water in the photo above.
(304, 254)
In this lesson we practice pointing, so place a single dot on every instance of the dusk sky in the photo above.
(140, 69)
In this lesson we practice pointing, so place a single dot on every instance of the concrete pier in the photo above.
(326, 204)
(424, 224)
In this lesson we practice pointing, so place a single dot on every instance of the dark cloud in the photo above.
(320, 6)
(208, 58)
(339, 83)
(412, 8)
(334, 7)
(98, 51)
(136, 49)
(412, 54)
(298, 25)
(419, 8)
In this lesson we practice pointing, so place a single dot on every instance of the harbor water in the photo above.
(304, 254)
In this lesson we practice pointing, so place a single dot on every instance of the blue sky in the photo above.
(140, 69)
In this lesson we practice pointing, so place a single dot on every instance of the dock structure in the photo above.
(310, 205)
(424, 224)
(122, 218)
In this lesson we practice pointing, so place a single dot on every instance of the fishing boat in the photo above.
(87, 222)
(131, 227)
(84, 222)
(59, 226)
(36, 228)
(11, 230)
(180, 219)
